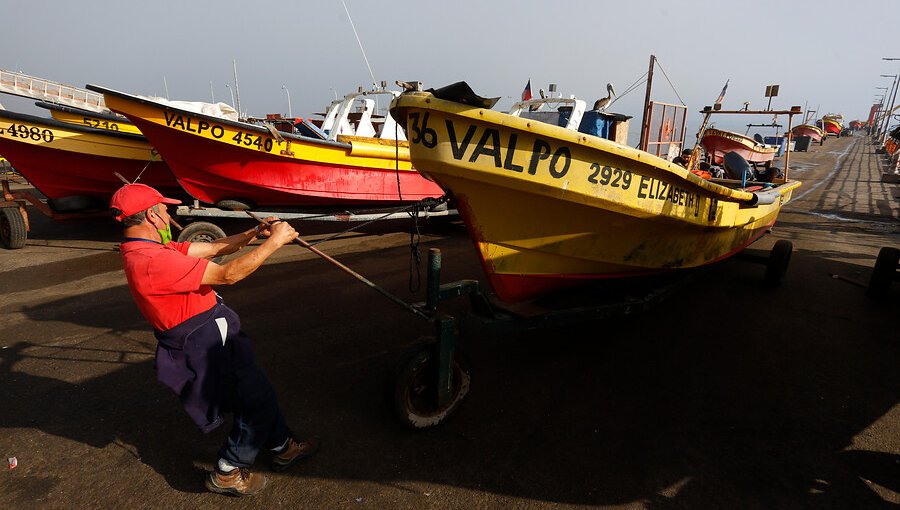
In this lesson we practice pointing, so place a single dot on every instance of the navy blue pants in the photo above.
(258, 422)
(209, 362)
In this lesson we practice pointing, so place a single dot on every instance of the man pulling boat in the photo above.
(202, 354)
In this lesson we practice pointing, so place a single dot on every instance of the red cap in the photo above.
(134, 198)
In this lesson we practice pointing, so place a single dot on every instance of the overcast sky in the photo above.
(824, 53)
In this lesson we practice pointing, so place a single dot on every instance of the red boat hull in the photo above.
(831, 127)
(59, 174)
(718, 145)
(62, 173)
(814, 134)
(212, 171)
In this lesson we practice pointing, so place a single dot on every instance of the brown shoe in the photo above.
(240, 482)
(295, 451)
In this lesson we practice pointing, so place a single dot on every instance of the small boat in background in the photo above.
(549, 207)
(831, 124)
(98, 120)
(814, 133)
(74, 165)
(718, 142)
(232, 163)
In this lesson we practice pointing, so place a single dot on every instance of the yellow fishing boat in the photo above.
(77, 164)
(548, 207)
(88, 118)
(218, 159)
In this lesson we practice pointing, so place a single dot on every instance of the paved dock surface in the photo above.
(727, 395)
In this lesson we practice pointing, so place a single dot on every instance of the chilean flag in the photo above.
(526, 94)
(722, 94)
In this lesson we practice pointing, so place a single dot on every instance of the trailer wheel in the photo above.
(412, 388)
(777, 265)
(233, 205)
(200, 232)
(12, 228)
(884, 272)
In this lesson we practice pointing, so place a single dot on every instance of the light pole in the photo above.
(886, 115)
(880, 120)
(887, 119)
(288, 92)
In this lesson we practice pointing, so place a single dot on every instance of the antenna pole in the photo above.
(644, 120)
(237, 91)
(358, 41)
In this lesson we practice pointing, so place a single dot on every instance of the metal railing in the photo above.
(20, 84)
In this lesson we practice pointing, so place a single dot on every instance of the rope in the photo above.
(630, 88)
(415, 207)
(670, 82)
(415, 236)
(358, 226)
(415, 257)
(136, 179)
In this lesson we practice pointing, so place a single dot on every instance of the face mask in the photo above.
(165, 235)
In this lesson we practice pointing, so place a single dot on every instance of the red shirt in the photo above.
(165, 282)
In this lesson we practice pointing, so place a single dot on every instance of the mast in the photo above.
(237, 91)
(645, 120)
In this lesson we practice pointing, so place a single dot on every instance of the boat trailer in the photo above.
(432, 378)
(206, 231)
(14, 224)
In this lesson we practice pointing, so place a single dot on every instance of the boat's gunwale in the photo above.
(219, 120)
(750, 143)
(807, 126)
(77, 111)
(24, 117)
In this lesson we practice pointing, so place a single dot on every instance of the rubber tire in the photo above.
(410, 388)
(884, 273)
(12, 228)
(779, 259)
(234, 205)
(200, 232)
(76, 203)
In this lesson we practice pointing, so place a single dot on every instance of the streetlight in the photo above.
(887, 94)
(288, 92)
(879, 120)
(889, 111)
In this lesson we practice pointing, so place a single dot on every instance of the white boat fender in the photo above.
(764, 198)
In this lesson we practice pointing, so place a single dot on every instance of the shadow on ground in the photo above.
(728, 395)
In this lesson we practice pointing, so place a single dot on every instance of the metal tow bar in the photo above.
(432, 384)
(349, 271)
